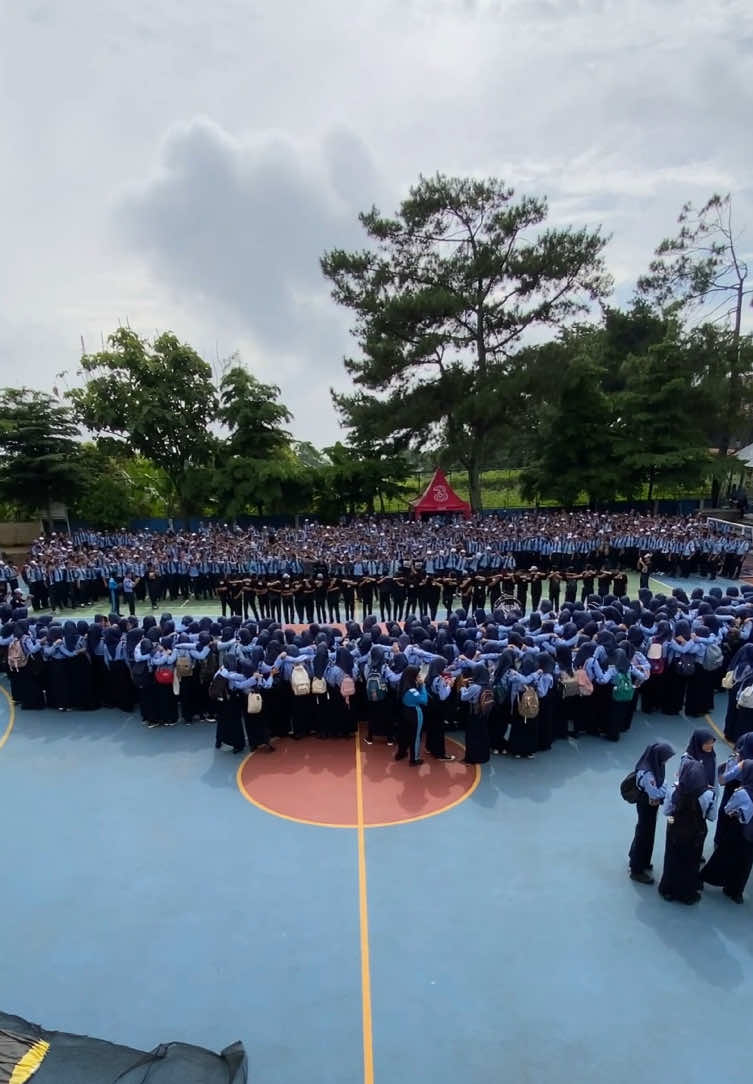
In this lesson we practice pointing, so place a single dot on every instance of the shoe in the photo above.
(415, 763)
(239, 750)
(390, 744)
(218, 745)
(368, 741)
(400, 756)
(152, 725)
(446, 756)
(730, 896)
(692, 900)
(642, 878)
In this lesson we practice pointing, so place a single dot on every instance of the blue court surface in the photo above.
(144, 899)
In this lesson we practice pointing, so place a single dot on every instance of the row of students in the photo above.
(689, 805)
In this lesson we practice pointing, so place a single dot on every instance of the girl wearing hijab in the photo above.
(547, 700)
(685, 809)
(652, 691)
(164, 659)
(342, 674)
(739, 720)
(321, 708)
(524, 730)
(681, 666)
(413, 699)
(474, 692)
(743, 751)
(439, 689)
(380, 716)
(699, 695)
(122, 692)
(652, 790)
(500, 716)
(230, 713)
(730, 865)
(620, 675)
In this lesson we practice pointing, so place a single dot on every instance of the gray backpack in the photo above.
(713, 657)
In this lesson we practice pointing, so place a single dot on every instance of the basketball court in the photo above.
(351, 918)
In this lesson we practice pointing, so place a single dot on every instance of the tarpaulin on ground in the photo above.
(55, 1057)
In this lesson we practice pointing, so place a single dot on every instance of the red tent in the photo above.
(439, 496)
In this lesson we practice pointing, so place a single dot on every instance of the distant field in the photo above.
(500, 489)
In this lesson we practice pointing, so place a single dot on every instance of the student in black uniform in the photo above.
(686, 830)
(649, 776)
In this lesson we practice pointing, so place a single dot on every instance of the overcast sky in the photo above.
(183, 165)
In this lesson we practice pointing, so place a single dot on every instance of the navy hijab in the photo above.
(654, 758)
(696, 751)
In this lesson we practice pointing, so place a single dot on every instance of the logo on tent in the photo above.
(440, 494)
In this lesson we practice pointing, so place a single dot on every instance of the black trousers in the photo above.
(406, 733)
(642, 847)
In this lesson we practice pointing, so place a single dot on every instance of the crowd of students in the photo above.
(514, 682)
(689, 805)
(392, 566)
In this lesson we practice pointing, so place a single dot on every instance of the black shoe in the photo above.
(731, 896)
(642, 878)
(693, 899)
(218, 745)
(414, 763)
(400, 756)
(239, 750)
(445, 756)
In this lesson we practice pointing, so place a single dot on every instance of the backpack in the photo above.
(300, 682)
(585, 685)
(629, 788)
(163, 675)
(501, 692)
(569, 686)
(208, 667)
(685, 665)
(622, 690)
(745, 697)
(253, 704)
(184, 666)
(318, 686)
(713, 657)
(376, 687)
(17, 657)
(218, 687)
(656, 658)
(485, 701)
(528, 703)
(347, 688)
(140, 674)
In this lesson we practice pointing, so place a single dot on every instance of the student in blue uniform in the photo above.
(685, 808)
(730, 865)
(649, 777)
(413, 699)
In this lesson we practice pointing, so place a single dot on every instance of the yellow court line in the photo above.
(363, 908)
(713, 726)
(11, 716)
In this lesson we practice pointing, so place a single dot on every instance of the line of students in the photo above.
(689, 804)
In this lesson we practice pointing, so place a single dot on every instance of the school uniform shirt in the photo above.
(646, 782)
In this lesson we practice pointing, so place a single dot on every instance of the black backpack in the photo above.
(629, 788)
(218, 687)
(140, 674)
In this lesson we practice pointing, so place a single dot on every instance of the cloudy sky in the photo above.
(183, 165)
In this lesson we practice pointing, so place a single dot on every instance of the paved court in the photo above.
(146, 898)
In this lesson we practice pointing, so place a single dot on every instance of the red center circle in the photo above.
(316, 782)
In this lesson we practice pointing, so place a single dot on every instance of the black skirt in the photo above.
(730, 865)
(477, 748)
(683, 853)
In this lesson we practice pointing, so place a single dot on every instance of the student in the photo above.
(685, 809)
(439, 689)
(730, 865)
(380, 716)
(524, 729)
(475, 691)
(649, 778)
(413, 699)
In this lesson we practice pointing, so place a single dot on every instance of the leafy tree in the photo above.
(573, 449)
(702, 268)
(662, 439)
(441, 302)
(39, 453)
(255, 465)
(355, 478)
(158, 399)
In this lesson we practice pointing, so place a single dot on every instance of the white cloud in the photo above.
(185, 165)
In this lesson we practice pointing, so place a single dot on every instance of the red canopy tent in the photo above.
(439, 496)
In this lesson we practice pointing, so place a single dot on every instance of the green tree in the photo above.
(356, 477)
(662, 440)
(441, 302)
(39, 453)
(572, 447)
(256, 467)
(158, 399)
(702, 268)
